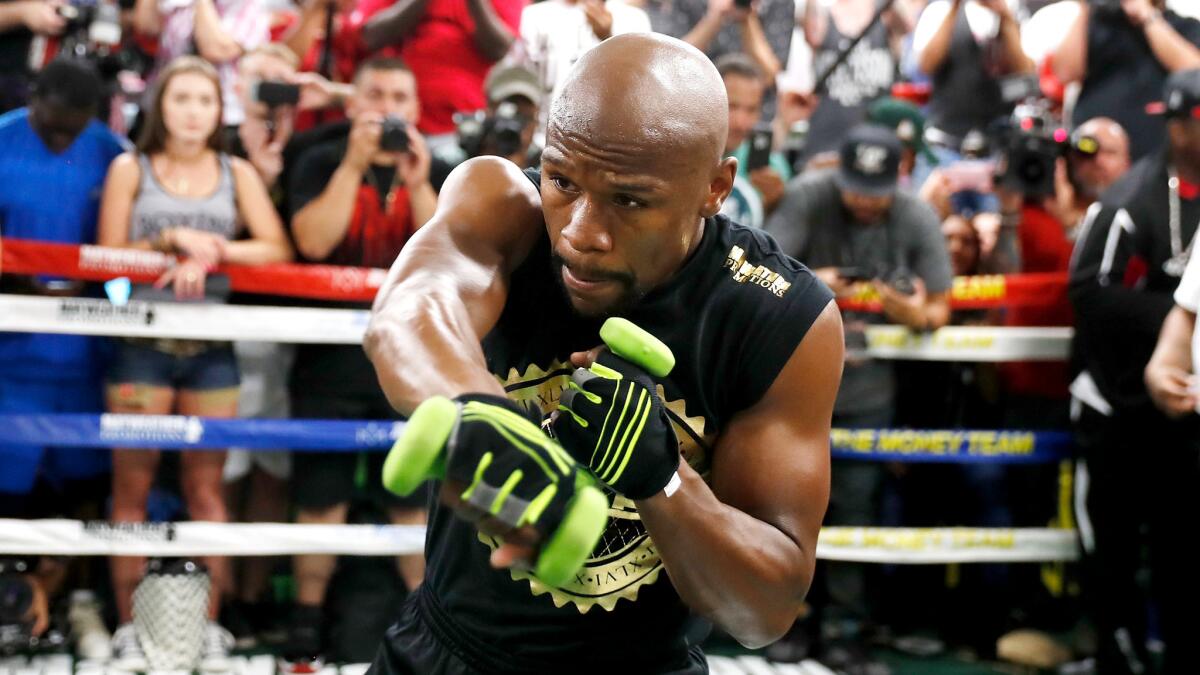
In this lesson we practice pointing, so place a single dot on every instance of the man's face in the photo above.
(1094, 173)
(57, 125)
(745, 107)
(1184, 135)
(865, 209)
(386, 93)
(621, 217)
(260, 68)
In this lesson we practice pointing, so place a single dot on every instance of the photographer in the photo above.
(505, 129)
(1121, 52)
(761, 175)
(20, 20)
(1096, 157)
(355, 201)
(966, 47)
(1140, 464)
(859, 234)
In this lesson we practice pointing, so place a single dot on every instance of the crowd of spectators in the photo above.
(889, 145)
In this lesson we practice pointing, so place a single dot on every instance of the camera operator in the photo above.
(355, 201)
(505, 129)
(1121, 52)
(762, 172)
(20, 20)
(1097, 155)
(1128, 262)
(858, 233)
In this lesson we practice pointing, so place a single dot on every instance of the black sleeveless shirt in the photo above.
(732, 315)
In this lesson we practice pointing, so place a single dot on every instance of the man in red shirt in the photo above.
(450, 46)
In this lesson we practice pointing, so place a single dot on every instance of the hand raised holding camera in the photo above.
(363, 144)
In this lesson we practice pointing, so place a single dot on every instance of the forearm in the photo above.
(1070, 59)
(1170, 48)
(759, 49)
(815, 23)
(393, 24)
(423, 201)
(12, 15)
(704, 31)
(257, 252)
(423, 343)
(1014, 55)
(321, 225)
(745, 575)
(1174, 349)
(213, 43)
(935, 313)
(301, 38)
(492, 38)
(146, 19)
(935, 52)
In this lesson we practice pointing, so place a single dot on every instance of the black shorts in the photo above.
(323, 479)
(418, 645)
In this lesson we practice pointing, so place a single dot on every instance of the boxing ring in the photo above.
(115, 317)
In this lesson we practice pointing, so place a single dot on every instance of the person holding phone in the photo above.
(761, 171)
(178, 193)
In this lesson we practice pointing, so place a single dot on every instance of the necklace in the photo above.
(389, 197)
(1175, 265)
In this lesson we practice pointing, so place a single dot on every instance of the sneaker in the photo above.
(127, 654)
(91, 637)
(302, 653)
(235, 616)
(214, 656)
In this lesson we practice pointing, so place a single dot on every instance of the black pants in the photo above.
(1142, 492)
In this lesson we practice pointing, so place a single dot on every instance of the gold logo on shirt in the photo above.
(745, 272)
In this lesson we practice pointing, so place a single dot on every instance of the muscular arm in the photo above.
(449, 285)
(393, 24)
(742, 553)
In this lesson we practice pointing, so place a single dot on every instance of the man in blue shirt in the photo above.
(54, 156)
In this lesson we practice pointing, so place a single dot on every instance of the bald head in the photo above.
(648, 90)
(1093, 173)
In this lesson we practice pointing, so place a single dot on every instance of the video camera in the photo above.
(502, 130)
(1031, 141)
(93, 32)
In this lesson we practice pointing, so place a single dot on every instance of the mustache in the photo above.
(591, 274)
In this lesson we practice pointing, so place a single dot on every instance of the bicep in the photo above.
(116, 202)
(772, 461)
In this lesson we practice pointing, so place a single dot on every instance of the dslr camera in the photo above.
(500, 132)
(395, 135)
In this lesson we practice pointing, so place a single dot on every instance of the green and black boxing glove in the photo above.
(505, 466)
(512, 469)
(611, 419)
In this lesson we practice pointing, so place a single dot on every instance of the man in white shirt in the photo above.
(557, 32)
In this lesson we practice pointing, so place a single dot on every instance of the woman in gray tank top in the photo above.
(178, 193)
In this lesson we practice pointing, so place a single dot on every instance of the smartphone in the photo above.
(971, 175)
(276, 93)
(760, 147)
(743, 4)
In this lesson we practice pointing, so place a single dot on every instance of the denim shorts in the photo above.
(211, 368)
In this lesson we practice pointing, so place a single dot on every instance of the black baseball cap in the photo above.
(1181, 95)
(870, 161)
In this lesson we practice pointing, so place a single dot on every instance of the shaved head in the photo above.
(646, 89)
(633, 166)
